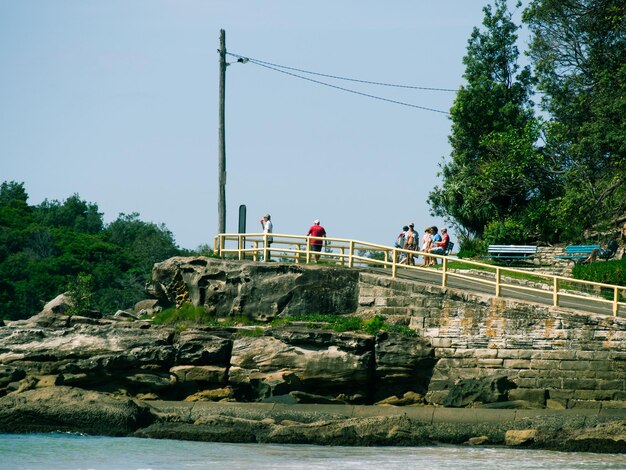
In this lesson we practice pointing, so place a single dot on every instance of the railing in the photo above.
(353, 253)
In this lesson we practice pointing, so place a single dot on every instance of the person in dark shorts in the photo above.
(316, 230)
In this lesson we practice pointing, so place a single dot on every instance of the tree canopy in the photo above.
(52, 247)
(512, 177)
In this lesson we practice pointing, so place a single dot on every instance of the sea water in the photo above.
(76, 452)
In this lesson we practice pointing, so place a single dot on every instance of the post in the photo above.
(221, 205)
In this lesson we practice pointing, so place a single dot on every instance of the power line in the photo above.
(260, 62)
(265, 65)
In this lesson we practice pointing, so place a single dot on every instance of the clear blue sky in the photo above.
(117, 101)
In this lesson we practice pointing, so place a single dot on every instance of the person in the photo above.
(399, 243)
(426, 245)
(440, 246)
(410, 243)
(266, 223)
(316, 230)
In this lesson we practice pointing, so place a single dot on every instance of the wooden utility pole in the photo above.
(221, 205)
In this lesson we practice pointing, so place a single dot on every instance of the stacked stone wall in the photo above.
(555, 357)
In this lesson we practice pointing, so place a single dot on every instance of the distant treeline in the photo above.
(48, 248)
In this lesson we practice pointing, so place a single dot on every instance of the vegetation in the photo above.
(513, 178)
(65, 246)
(190, 316)
(609, 272)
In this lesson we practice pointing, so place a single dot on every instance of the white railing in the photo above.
(353, 253)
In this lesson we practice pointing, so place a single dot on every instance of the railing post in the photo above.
(350, 256)
(215, 247)
(615, 299)
(222, 241)
(255, 256)
(444, 272)
(394, 263)
(265, 248)
(308, 250)
(555, 292)
(497, 282)
(239, 246)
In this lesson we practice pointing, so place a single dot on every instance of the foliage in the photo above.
(579, 51)
(471, 245)
(505, 232)
(607, 272)
(53, 245)
(372, 254)
(495, 170)
(514, 177)
(80, 293)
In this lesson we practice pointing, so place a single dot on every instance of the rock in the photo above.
(218, 394)
(124, 316)
(520, 437)
(477, 441)
(484, 390)
(260, 291)
(205, 374)
(268, 366)
(147, 307)
(409, 398)
(54, 409)
(60, 304)
(402, 363)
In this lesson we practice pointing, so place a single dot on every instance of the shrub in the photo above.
(505, 232)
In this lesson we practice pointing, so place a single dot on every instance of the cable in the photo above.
(261, 64)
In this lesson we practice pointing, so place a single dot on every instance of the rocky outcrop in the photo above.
(54, 409)
(73, 410)
(142, 360)
(260, 291)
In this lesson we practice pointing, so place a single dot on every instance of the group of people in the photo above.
(433, 241)
(316, 230)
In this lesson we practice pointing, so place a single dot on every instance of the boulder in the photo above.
(53, 409)
(269, 366)
(257, 290)
(482, 390)
(402, 364)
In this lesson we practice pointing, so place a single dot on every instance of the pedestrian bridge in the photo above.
(516, 283)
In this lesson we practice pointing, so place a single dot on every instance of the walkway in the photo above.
(490, 279)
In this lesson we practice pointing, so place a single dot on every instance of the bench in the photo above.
(510, 253)
(578, 253)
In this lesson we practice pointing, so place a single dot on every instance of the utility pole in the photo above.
(221, 205)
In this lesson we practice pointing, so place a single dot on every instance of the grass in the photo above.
(189, 316)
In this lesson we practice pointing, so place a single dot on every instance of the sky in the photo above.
(117, 101)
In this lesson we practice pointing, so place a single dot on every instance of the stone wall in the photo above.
(554, 357)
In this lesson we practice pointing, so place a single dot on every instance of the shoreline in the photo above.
(68, 409)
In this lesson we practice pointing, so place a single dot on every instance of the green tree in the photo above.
(578, 49)
(495, 170)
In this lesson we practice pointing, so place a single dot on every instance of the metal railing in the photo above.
(354, 254)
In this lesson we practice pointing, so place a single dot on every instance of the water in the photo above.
(74, 452)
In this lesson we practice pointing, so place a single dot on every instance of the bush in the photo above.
(505, 232)
(471, 246)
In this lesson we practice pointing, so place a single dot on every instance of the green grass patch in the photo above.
(189, 316)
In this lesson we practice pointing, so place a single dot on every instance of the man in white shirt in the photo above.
(266, 223)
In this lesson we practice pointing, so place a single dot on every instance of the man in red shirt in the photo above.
(316, 230)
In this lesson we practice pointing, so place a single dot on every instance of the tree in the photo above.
(579, 52)
(495, 171)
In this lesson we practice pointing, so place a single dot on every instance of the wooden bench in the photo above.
(510, 253)
(578, 253)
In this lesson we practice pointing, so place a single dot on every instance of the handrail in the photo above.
(351, 253)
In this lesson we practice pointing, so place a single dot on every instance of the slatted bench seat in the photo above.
(578, 253)
(510, 253)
